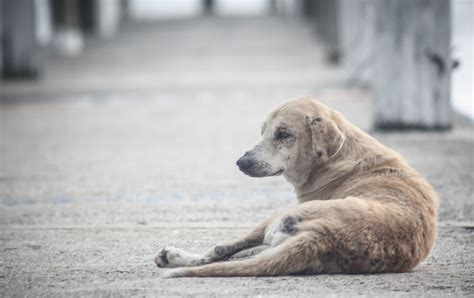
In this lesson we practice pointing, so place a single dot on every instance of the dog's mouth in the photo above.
(277, 173)
(260, 174)
(256, 168)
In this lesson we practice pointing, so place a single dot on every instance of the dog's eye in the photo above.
(281, 135)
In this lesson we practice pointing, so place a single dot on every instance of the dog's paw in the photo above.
(174, 273)
(171, 257)
(218, 252)
(161, 258)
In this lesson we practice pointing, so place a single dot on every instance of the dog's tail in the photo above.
(296, 255)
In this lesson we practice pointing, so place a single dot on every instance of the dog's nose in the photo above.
(244, 163)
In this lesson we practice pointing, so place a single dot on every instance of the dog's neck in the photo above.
(319, 182)
(359, 150)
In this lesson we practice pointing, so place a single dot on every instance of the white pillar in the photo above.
(108, 13)
(413, 64)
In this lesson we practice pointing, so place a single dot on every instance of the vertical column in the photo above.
(327, 25)
(68, 39)
(208, 7)
(1, 38)
(108, 14)
(19, 45)
(356, 34)
(413, 65)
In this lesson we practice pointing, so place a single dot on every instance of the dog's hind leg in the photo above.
(249, 252)
(298, 254)
(254, 238)
(171, 257)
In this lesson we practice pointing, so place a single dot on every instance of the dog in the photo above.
(362, 208)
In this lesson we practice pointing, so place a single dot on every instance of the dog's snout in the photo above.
(244, 163)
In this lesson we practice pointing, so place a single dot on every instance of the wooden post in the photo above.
(43, 26)
(100, 17)
(413, 66)
(208, 7)
(326, 15)
(107, 14)
(356, 33)
(307, 7)
(68, 39)
(1, 39)
(19, 45)
(87, 16)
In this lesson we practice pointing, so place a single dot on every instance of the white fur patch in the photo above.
(171, 257)
(174, 273)
(274, 235)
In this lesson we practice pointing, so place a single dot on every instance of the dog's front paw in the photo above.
(219, 252)
(161, 258)
(174, 273)
(171, 257)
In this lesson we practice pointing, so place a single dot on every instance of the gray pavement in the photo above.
(132, 146)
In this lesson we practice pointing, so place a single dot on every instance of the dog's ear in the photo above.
(326, 138)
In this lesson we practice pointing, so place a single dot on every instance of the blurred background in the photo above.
(123, 119)
(36, 34)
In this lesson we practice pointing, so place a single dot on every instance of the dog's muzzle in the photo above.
(250, 165)
(246, 162)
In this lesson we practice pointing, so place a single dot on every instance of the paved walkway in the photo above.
(132, 146)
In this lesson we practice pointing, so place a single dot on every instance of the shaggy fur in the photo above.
(362, 208)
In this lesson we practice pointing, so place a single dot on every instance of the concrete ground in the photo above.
(132, 146)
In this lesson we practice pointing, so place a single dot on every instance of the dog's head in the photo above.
(296, 136)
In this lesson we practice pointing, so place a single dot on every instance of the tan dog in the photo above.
(362, 208)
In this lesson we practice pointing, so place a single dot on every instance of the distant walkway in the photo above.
(190, 55)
